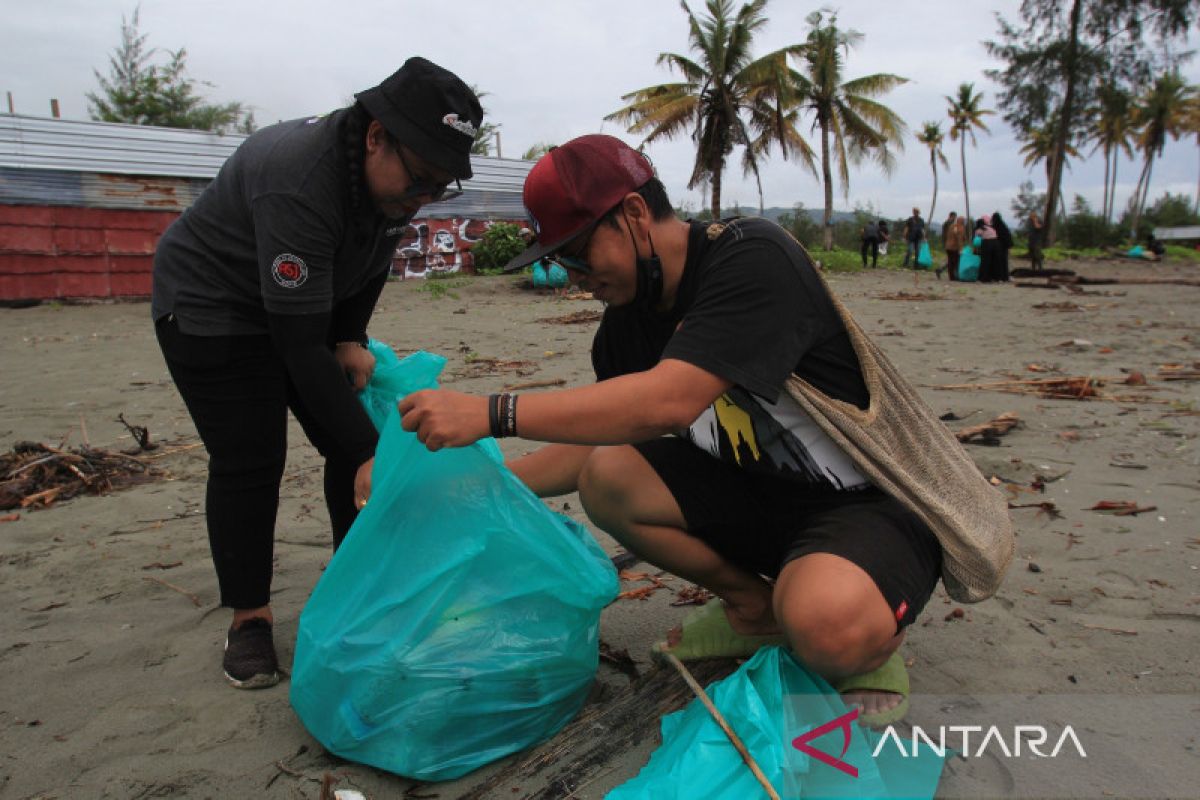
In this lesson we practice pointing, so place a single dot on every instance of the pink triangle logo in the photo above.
(843, 723)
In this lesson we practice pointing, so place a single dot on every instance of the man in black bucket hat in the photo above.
(262, 294)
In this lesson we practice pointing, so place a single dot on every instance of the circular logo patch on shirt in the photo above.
(289, 271)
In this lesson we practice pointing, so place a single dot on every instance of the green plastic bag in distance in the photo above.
(459, 620)
(769, 702)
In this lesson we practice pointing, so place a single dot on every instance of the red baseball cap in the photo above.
(573, 186)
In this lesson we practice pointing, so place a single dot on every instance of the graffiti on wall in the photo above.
(438, 246)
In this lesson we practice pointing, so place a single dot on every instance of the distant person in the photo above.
(263, 289)
(885, 236)
(1004, 237)
(870, 243)
(1155, 246)
(1036, 231)
(914, 234)
(989, 250)
(954, 237)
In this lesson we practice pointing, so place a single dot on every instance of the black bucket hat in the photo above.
(429, 110)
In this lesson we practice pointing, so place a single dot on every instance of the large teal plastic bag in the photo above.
(459, 620)
(924, 257)
(394, 378)
(769, 702)
(968, 265)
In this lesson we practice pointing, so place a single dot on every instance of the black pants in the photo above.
(873, 246)
(238, 393)
(952, 257)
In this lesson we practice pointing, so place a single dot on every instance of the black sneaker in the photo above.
(250, 661)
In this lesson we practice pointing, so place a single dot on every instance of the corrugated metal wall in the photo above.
(82, 205)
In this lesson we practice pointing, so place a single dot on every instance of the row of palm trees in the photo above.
(966, 114)
(726, 98)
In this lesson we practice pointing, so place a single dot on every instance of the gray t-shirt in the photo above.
(274, 232)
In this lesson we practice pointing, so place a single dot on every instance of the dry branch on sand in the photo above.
(584, 317)
(1074, 387)
(33, 474)
(989, 432)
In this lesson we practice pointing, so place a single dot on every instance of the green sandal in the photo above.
(708, 634)
(891, 677)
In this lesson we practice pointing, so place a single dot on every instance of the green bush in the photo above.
(500, 244)
(1087, 229)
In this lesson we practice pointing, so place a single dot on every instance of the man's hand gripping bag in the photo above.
(459, 620)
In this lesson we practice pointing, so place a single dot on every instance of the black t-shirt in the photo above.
(273, 233)
(750, 308)
(916, 228)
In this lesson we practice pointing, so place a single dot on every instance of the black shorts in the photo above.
(761, 523)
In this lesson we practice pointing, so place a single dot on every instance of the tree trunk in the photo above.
(933, 203)
(1104, 205)
(716, 193)
(966, 194)
(1112, 195)
(827, 174)
(1196, 202)
(1064, 124)
(1139, 194)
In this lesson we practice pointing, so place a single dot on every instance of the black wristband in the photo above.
(494, 415)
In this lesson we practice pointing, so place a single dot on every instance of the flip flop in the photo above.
(891, 677)
(708, 634)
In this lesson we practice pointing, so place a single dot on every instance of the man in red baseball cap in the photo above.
(688, 450)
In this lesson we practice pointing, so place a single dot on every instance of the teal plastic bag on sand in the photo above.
(968, 265)
(924, 257)
(770, 702)
(459, 620)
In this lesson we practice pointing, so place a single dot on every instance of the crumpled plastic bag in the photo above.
(924, 256)
(459, 620)
(769, 702)
(968, 265)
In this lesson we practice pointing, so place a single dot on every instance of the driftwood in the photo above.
(989, 432)
(577, 318)
(33, 474)
(584, 750)
(1083, 280)
(1070, 388)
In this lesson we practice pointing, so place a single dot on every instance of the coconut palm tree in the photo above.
(931, 136)
(1191, 121)
(1039, 147)
(852, 123)
(1161, 112)
(966, 114)
(1112, 131)
(727, 98)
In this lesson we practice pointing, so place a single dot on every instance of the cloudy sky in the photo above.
(553, 69)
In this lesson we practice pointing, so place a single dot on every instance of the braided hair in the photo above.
(354, 137)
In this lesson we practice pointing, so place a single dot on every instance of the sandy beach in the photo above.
(110, 681)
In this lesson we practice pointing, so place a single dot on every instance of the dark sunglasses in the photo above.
(422, 187)
(577, 259)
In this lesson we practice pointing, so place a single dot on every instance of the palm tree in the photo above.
(726, 99)
(1112, 129)
(966, 115)
(855, 125)
(1191, 122)
(1040, 144)
(931, 136)
(537, 151)
(1160, 113)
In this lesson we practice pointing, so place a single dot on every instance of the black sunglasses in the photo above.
(578, 259)
(422, 187)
